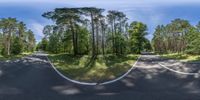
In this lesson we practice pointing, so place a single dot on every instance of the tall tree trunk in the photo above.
(113, 42)
(93, 36)
(76, 40)
(115, 33)
(9, 43)
(97, 38)
(73, 38)
(120, 32)
(102, 38)
(121, 49)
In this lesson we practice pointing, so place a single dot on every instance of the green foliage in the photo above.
(43, 45)
(182, 57)
(31, 41)
(3, 51)
(177, 36)
(86, 31)
(15, 38)
(83, 41)
(193, 41)
(1, 42)
(16, 47)
(53, 44)
(172, 37)
(86, 68)
(137, 33)
(146, 45)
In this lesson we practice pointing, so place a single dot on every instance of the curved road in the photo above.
(32, 78)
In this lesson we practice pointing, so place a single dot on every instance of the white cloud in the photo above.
(146, 11)
(151, 16)
(37, 29)
(108, 2)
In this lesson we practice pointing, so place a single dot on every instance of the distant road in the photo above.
(32, 78)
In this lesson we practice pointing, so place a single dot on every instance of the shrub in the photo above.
(17, 46)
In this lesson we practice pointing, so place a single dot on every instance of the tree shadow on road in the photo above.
(36, 81)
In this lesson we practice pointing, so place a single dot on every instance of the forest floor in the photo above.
(182, 57)
(14, 57)
(88, 69)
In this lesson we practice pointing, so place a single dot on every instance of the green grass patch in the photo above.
(88, 69)
(182, 57)
(14, 57)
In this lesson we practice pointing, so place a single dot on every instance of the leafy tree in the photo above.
(147, 45)
(157, 40)
(193, 43)
(44, 44)
(117, 21)
(172, 37)
(8, 27)
(31, 41)
(69, 17)
(137, 33)
(86, 30)
(17, 45)
(94, 14)
(14, 37)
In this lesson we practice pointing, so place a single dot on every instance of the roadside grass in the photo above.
(182, 57)
(88, 69)
(14, 57)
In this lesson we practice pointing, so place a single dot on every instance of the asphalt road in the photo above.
(33, 78)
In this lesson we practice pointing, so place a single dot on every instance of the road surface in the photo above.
(32, 78)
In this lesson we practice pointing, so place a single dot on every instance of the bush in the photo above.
(17, 46)
(3, 51)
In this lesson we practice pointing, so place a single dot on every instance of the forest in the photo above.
(93, 44)
(179, 36)
(15, 38)
(89, 30)
(90, 44)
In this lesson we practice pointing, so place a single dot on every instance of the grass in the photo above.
(88, 69)
(182, 57)
(14, 57)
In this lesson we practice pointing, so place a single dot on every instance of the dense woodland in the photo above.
(179, 36)
(93, 31)
(15, 38)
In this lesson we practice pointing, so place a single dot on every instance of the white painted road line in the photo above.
(63, 76)
(119, 78)
(86, 83)
(179, 72)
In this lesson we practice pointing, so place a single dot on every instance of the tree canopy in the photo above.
(178, 36)
(14, 37)
(88, 30)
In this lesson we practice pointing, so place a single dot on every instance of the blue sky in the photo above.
(150, 12)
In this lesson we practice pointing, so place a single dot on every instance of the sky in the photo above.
(150, 12)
